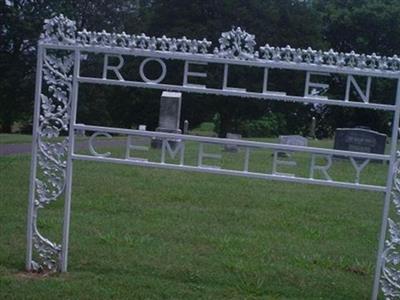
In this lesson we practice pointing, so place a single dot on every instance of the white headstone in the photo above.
(170, 112)
(295, 140)
(232, 147)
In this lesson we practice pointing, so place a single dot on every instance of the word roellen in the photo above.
(113, 74)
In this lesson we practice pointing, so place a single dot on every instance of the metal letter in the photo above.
(277, 162)
(203, 154)
(265, 85)
(179, 147)
(163, 71)
(91, 147)
(113, 68)
(187, 73)
(364, 96)
(225, 82)
(324, 169)
(320, 86)
(358, 167)
(130, 146)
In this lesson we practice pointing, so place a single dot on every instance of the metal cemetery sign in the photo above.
(62, 51)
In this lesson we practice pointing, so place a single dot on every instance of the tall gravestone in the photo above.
(170, 115)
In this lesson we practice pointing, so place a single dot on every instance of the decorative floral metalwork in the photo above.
(237, 43)
(234, 44)
(330, 58)
(53, 124)
(390, 280)
(59, 30)
(142, 41)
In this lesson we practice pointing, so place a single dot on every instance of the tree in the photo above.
(21, 23)
(276, 22)
(365, 26)
(361, 25)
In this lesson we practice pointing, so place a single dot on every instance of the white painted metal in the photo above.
(216, 170)
(68, 180)
(215, 59)
(31, 204)
(270, 95)
(393, 165)
(152, 81)
(241, 143)
(55, 111)
(244, 143)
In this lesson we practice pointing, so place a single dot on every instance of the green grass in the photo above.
(141, 233)
(6, 138)
(205, 129)
(15, 138)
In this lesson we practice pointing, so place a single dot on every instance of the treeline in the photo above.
(365, 26)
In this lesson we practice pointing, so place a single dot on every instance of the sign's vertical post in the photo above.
(388, 194)
(36, 114)
(68, 178)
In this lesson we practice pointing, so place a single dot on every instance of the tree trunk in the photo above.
(225, 124)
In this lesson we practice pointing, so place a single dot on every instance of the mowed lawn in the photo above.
(140, 233)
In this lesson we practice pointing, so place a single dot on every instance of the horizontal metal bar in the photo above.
(236, 93)
(214, 59)
(225, 141)
(339, 184)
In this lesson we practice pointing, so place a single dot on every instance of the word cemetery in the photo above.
(140, 61)
(172, 156)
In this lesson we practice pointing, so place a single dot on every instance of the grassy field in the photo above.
(6, 138)
(141, 233)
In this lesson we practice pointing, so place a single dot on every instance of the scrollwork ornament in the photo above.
(59, 30)
(237, 43)
(234, 44)
(390, 280)
(51, 138)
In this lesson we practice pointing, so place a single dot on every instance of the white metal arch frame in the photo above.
(57, 82)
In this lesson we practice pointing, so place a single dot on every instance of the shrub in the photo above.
(269, 125)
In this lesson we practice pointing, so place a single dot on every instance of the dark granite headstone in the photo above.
(359, 140)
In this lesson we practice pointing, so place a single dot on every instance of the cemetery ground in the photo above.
(140, 233)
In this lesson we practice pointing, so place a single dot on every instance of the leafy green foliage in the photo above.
(364, 26)
(269, 125)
